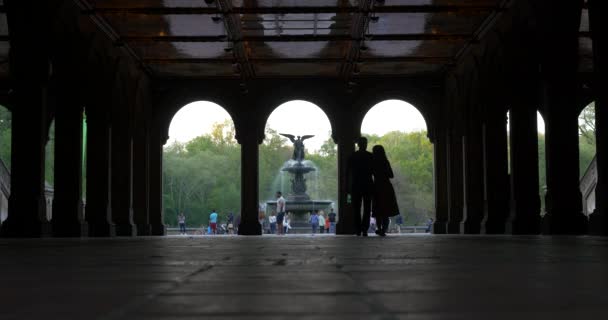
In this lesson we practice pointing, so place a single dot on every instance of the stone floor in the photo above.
(305, 277)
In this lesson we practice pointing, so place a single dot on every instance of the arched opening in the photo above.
(5, 160)
(49, 170)
(542, 164)
(201, 171)
(402, 130)
(587, 159)
(302, 165)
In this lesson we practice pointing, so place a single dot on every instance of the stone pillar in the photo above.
(559, 24)
(346, 136)
(67, 198)
(525, 212)
(99, 146)
(122, 171)
(29, 69)
(249, 139)
(140, 178)
(473, 211)
(598, 221)
(496, 171)
(155, 179)
(440, 181)
(455, 181)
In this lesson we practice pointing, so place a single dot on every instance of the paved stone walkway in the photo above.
(305, 277)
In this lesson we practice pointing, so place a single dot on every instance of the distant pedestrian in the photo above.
(230, 223)
(321, 222)
(429, 225)
(399, 222)
(327, 225)
(331, 216)
(181, 219)
(213, 222)
(273, 223)
(286, 223)
(280, 211)
(314, 222)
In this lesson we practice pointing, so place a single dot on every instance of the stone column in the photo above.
(122, 171)
(140, 178)
(559, 24)
(67, 198)
(496, 171)
(249, 139)
(440, 181)
(598, 221)
(99, 146)
(525, 212)
(29, 69)
(473, 211)
(155, 179)
(455, 181)
(345, 135)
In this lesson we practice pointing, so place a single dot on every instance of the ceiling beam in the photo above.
(439, 60)
(300, 38)
(464, 9)
(357, 33)
(232, 24)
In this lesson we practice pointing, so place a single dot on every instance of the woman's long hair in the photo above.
(381, 160)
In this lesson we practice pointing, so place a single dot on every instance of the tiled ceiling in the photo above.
(289, 38)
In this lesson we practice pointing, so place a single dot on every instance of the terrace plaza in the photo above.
(129, 66)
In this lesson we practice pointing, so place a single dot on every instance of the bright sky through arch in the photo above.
(195, 119)
(392, 115)
(299, 118)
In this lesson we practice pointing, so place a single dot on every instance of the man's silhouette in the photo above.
(361, 185)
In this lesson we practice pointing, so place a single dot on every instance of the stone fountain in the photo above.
(299, 203)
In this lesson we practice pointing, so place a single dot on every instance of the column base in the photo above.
(557, 224)
(158, 230)
(250, 229)
(70, 229)
(144, 229)
(439, 227)
(494, 226)
(126, 230)
(470, 227)
(102, 229)
(454, 227)
(526, 226)
(22, 229)
(345, 228)
(598, 223)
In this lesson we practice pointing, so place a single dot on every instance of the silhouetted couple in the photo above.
(369, 182)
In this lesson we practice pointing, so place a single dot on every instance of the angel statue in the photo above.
(298, 145)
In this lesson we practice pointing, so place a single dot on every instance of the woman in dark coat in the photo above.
(384, 203)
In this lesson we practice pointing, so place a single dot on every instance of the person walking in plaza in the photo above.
(181, 220)
(321, 223)
(399, 222)
(213, 222)
(384, 204)
(327, 224)
(314, 222)
(361, 184)
(331, 217)
(281, 212)
(286, 223)
(273, 223)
